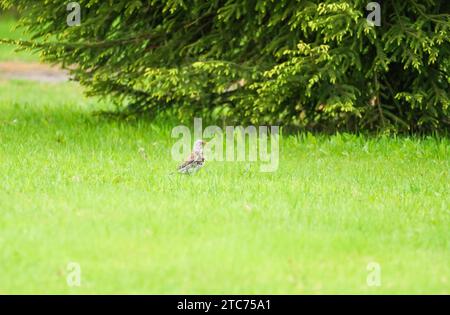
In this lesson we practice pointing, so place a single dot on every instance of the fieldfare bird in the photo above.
(195, 160)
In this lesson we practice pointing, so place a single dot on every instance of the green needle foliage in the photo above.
(315, 65)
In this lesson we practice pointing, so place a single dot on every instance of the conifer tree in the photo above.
(305, 63)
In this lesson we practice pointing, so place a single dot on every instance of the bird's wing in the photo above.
(189, 160)
(193, 161)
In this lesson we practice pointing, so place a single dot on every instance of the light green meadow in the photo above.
(74, 188)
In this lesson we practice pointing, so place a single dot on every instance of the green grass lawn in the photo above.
(73, 188)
